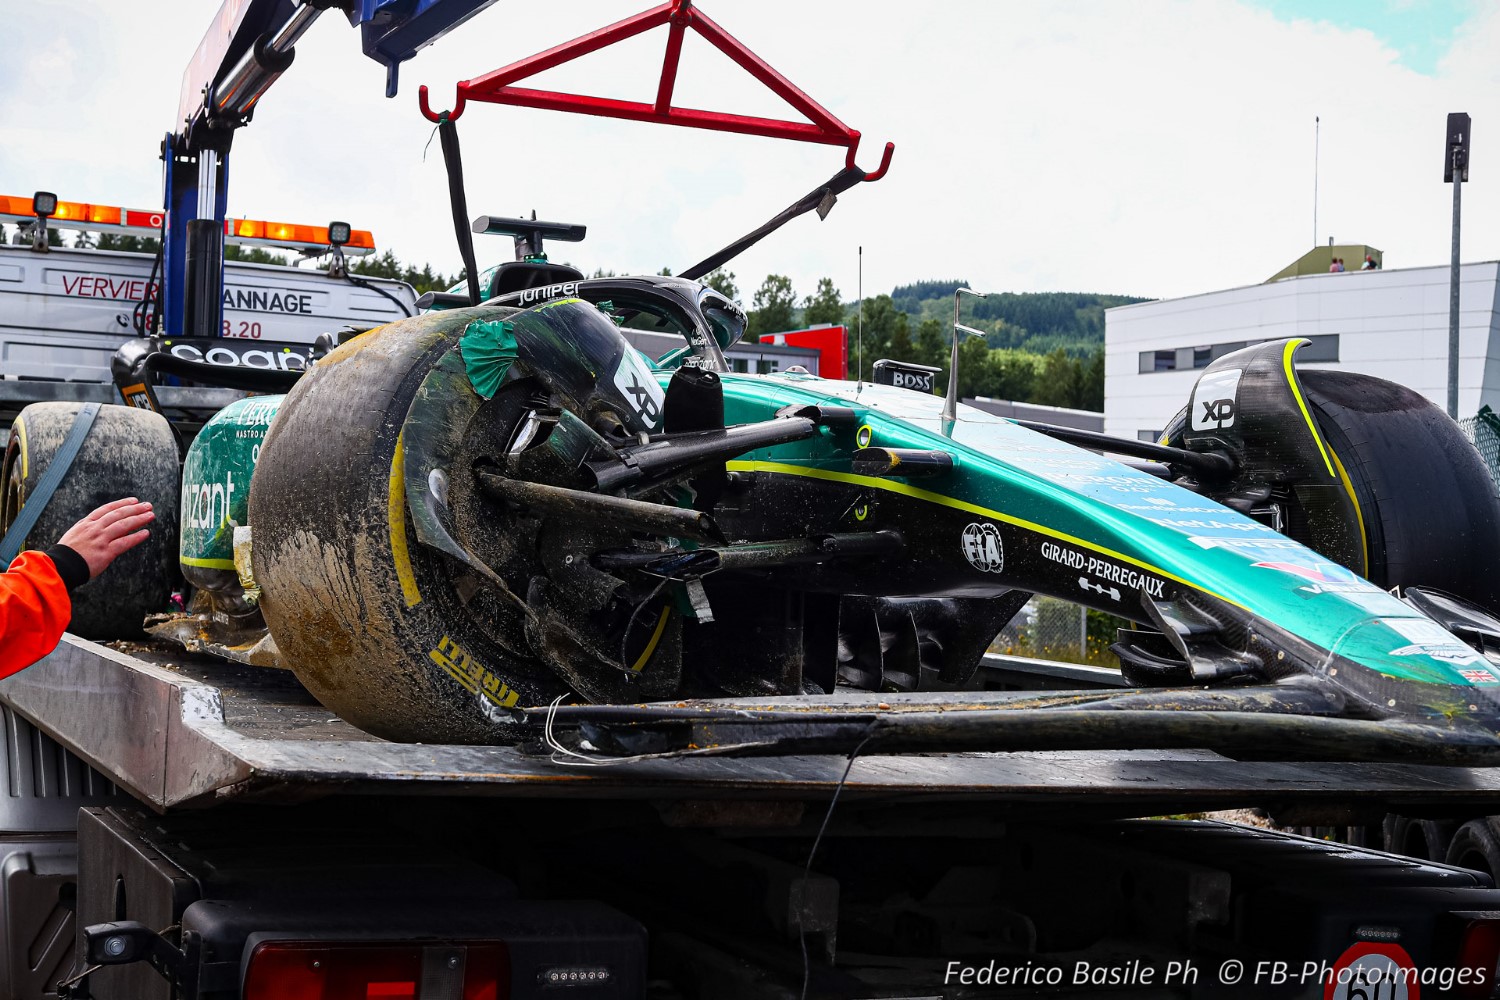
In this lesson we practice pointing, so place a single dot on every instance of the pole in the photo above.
(1317, 136)
(1453, 290)
(859, 372)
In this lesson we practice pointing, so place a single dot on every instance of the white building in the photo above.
(1391, 324)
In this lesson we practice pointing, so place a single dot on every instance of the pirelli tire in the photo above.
(384, 632)
(1430, 511)
(128, 452)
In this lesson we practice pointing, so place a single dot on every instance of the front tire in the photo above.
(402, 641)
(1429, 508)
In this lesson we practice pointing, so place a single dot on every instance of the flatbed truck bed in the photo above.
(217, 809)
(177, 730)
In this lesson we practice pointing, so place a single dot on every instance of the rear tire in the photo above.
(1430, 510)
(1476, 846)
(1424, 839)
(128, 452)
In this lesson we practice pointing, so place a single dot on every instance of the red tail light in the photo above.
(1478, 949)
(308, 970)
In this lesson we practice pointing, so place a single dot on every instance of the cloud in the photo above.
(1156, 148)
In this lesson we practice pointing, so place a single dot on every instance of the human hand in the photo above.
(116, 527)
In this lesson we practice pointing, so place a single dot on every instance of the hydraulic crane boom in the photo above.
(247, 47)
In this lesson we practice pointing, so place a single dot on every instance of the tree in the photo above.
(1093, 383)
(253, 255)
(931, 348)
(665, 272)
(823, 306)
(975, 371)
(1062, 381)
(387, 265)
(882, 323)
(128, 244)
(899, 347)
(1014, 374)
(722, 281)
(773, 306)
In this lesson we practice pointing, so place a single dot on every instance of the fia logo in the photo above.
(983, 548)
(1214, 399)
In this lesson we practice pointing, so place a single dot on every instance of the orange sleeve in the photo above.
(34, 611)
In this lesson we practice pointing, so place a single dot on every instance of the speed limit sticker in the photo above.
(1372, 970)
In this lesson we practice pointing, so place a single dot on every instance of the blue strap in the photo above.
(10, 545)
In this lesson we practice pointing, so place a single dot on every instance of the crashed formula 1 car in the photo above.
(459, 518)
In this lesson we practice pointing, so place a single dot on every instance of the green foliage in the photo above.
(910, 297)
(128, 244)
(386, 265)
(1039, 322)
(931, 347)
(1102, 630)
(824, 305)
(1072, 382)
(254, 255)
(774, 306)
(887, 334)
(1066, 375)
(722, 281)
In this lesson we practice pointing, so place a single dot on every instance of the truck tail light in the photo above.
(1478, 948)
(322, 970)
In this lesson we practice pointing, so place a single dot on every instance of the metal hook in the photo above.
(885, 159)
(458, 109)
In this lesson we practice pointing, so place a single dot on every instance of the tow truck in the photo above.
(179, 825)
(64, 311)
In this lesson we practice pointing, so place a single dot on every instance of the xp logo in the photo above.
(983, 548)
(1219, 411)
(640, 390)
(641, 397)
(1214, 399)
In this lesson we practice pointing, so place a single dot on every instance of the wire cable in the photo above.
(807, 869)
(362, 283)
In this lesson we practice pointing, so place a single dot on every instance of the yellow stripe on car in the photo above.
(1291, 380)
(781, 468)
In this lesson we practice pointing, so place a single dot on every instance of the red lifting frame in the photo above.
(823, 127)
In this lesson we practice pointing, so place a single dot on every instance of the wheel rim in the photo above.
(12, 486)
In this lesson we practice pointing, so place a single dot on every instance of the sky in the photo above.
(1151, 148)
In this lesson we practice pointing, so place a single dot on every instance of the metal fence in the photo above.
(1049, 628)
(1483, 431)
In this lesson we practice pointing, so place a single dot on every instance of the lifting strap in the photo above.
(31, 510)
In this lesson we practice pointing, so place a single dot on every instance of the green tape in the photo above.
(488, 349)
